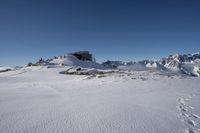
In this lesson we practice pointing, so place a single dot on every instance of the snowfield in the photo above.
(40, 100)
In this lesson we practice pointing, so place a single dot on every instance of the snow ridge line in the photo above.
(186, 116)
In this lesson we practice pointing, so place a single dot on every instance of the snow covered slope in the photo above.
(40, 100)
(143, 66)
(188, 64)
(5, 69)
(180, 64)
(71, 60)
(68, 60)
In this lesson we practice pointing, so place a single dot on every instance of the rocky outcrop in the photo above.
(113, 64)
(83, 55)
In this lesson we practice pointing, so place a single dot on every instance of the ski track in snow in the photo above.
(191, 120)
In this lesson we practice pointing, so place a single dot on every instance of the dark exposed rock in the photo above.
(113, 64)
(30, 64)
(40, 62)
(83, 55)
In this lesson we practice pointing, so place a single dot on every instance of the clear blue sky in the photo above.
(110, 29)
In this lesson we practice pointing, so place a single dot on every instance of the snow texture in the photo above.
(40, 100)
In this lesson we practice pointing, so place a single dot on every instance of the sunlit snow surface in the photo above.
(40, 100)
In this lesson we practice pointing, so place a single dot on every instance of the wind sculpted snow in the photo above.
(40, 100)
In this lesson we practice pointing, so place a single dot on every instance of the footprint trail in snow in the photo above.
(190, 119)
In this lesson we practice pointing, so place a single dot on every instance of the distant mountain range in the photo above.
(188, 64)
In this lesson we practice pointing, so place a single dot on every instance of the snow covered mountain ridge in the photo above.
(188, 64)
(78, 59)
(175, 61)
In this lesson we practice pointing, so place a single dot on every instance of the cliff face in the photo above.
(83, 55)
